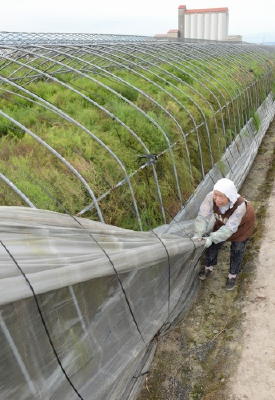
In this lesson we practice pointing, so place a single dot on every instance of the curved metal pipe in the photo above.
(65, 116)
(62, 159)
(17, 190)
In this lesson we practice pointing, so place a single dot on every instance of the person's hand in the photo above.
(208, 241)
(197, 238)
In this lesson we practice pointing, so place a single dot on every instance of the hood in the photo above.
(227, 187)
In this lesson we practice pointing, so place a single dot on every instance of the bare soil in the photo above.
(254, 378)
(224, 348)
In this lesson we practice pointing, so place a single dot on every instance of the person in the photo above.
(234, 222)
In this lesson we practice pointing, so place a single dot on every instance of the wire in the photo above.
(101, 248)
(169, 270)
(43, 320)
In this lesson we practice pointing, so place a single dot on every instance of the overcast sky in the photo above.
(143, 17)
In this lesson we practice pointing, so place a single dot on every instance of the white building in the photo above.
(207, 23)
(204, 24)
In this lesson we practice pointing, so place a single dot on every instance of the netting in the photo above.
(132, 134)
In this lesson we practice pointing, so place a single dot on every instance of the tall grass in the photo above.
(195, 110)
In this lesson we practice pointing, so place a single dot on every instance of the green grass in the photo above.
(144, 116)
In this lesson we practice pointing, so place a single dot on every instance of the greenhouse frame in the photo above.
(108, 146)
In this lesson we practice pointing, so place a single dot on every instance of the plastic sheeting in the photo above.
(82, 301)
(103, 291)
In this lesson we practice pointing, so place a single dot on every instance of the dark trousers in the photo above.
(236, 255)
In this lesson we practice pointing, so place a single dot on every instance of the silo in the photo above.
(225, 26)
(194, 22)
(214, 26)
(207, 26)
(181, 21)
(200, 26)
(221, 26)
(187, 25)
(208, 23)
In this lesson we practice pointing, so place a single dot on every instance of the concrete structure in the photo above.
(207, 24)
(171, 34)
(202, 24)
(234, 38)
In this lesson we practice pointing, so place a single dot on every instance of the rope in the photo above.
(43, 320)
(169, 270)
(117, 275)
(102, 249)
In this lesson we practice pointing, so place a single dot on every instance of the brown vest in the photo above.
(246, 226)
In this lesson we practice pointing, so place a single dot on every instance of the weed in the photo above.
(185, 116)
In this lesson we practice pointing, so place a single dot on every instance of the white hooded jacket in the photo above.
(227, 187)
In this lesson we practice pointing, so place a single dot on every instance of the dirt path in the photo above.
(255, 376)
(225, 332)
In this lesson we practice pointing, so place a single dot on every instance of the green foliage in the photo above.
(196, 107)
(256, 120)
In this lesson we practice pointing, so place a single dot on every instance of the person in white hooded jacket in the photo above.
(234, 222)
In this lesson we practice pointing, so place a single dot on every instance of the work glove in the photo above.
(197, 238)
(208, 241)
(200, 227)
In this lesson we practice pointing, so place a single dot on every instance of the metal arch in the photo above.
(191, 75)
(219, 67)
(152, 120)
(228, 101)
(224, 93)
(196, 126)
(17, 190)
(204, 56)
(140, 110)
(31, 38)
(248, 55)
(60, 70)
(110, 115)
(220, 107)
(194, 90)
(152, 99)
(203, 72)
(226, 51)
(166, 82)
(42, 63)
(120, 183)
(191, 87)
(221, 52)
(252, 53)
(39, 66)
(27, 62)
(182, 53)
(187, 96)
(263, 84)
(245, 62)
(217, 63)
(65, 116)
(194, 48)
(62, 159)
(241, 65)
